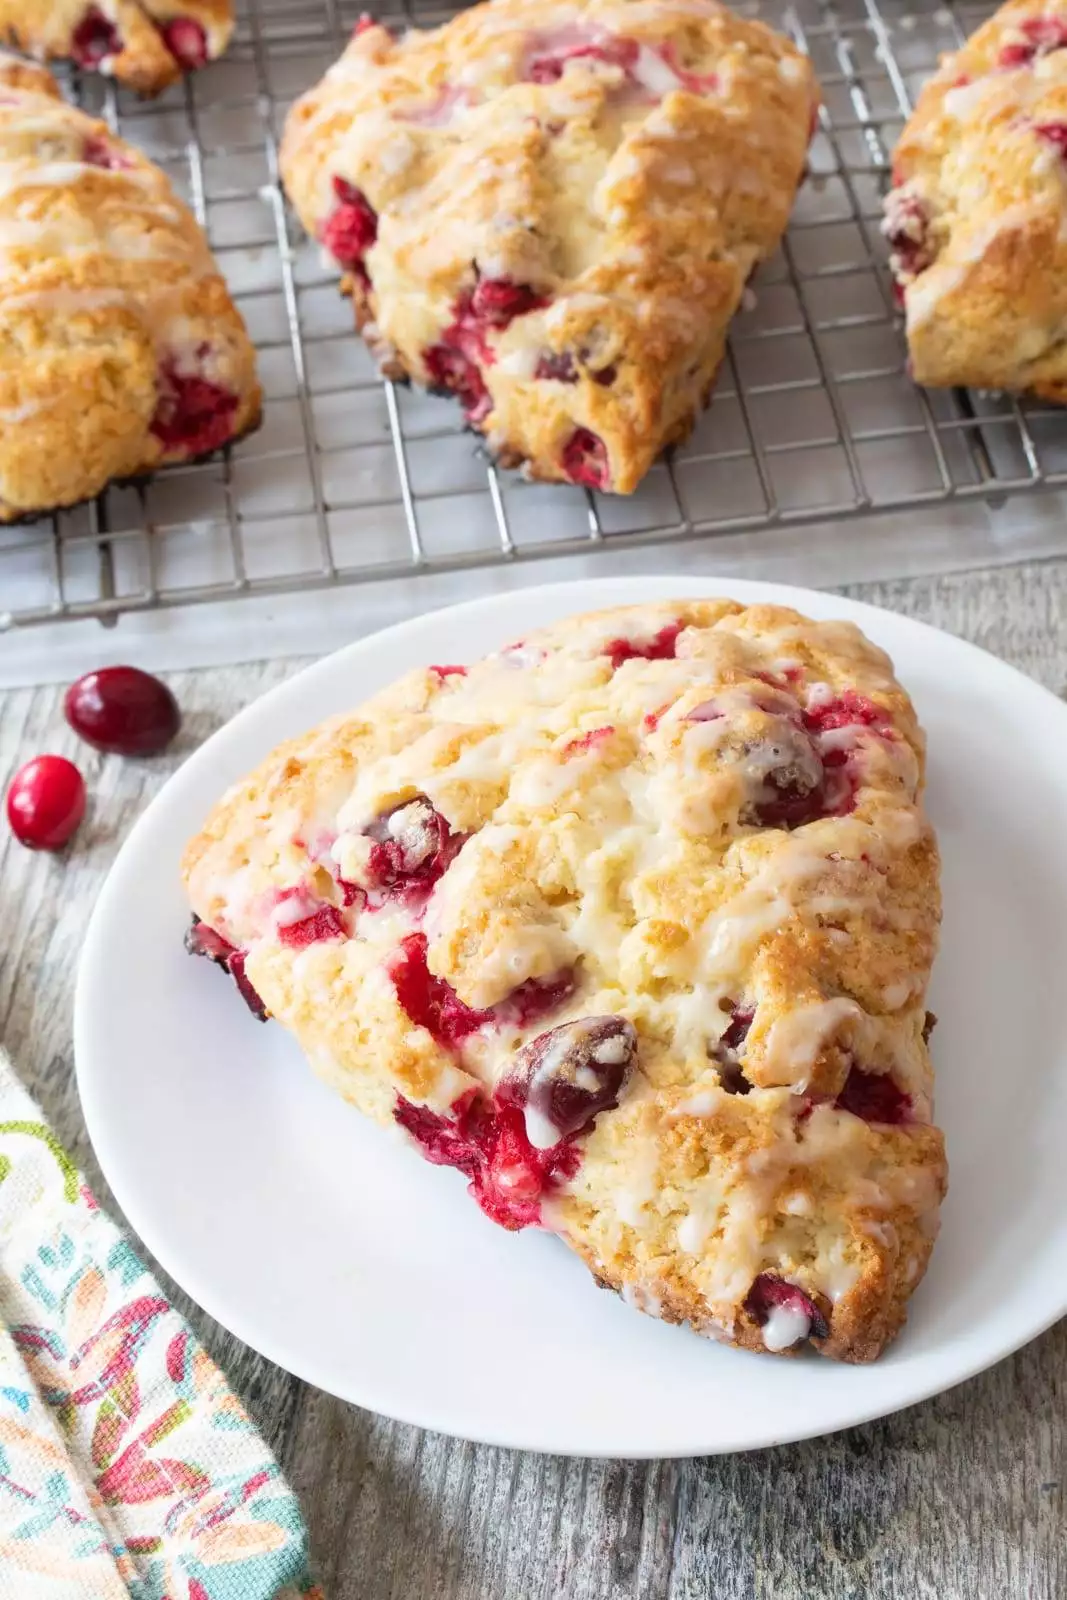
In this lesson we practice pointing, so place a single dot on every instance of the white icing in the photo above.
(785, 1327)
(653, 73)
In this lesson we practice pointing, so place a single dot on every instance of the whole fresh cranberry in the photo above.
(46, 802)
(123, 711)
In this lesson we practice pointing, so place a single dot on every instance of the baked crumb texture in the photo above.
(144, 44)
(120, 348)
(631, 923)
(551, 211)
(977, 216)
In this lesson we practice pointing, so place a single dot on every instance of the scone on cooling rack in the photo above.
(120, 347)
(551, 211)
(144, 44)
(977, 216)
(631, 923)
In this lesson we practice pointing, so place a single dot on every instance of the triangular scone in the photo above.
(145, 44)
(552, 210)
(120, 347)
(977, 216)
(632, 924)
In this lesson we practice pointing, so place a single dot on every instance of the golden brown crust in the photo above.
(696, 820)
(976, 217)
(569, 200)
(120, 347)
(144, 44)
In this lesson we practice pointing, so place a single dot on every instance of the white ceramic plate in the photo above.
(336, 1252)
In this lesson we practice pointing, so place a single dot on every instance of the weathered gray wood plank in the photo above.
(958, 1499)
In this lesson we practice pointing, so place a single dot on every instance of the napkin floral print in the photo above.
(128, 1468)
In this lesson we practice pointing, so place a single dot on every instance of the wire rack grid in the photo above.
(352, 479)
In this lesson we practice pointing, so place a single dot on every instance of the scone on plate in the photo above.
(120, 347)
(550, 211)
(144, 44)
(631, 923)
(977, 216)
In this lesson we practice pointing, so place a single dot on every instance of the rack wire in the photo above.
(352, 479)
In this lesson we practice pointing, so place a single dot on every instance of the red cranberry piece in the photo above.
(441, 673)
(564, 1078)
(549, 66)
(186, 41)
(46, 802)
(1053, 133)
(906, 228)
(193, 416)
(558, 367)
(586, 741)
(489, 1144)
(413, 846)
(875, 1097)
(662, 646)
(122, 710)
(452, 372)
(352, 226)
(97, 152)
(534, 999)
(1041, 36)
(325, 923)
(694, 82)
(785, 1313)
(499, 301)
(364, 22)
(585, 460)
(846, 710)
(429, 1001)
(95, 39)
(200, 940)
(725, 1052)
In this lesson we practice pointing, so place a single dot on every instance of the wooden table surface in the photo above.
(957, 1499)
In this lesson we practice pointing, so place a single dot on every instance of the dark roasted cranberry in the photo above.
(534, 999)
(585, 460)
(413, 846)
(95, 39)
(557, 367)
(122, 710)
(193, 416)
(498, 301)
(785, 1313)
(352, 226)
(453, 372)
(564, 1078)
(186, 41)
(46, 802)
(726, 1050)
(662, 646)
(875, 1097)
(929, 1024)
(429, 1001)
(605, 377)
(200, 940)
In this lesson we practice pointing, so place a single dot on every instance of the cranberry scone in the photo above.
(631, 923)
(144, 44)
(551, 211)
(120, 347)
(977, 216)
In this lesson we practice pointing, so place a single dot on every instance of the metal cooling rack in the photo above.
(351, 479)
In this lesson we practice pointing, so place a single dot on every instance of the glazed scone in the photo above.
(632, 924)
(551, 211)
(977, 216)
(144, 44)
(120, 347)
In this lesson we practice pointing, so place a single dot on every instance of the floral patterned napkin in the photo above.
(127, 1466)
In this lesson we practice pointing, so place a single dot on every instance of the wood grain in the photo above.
(957, 1499)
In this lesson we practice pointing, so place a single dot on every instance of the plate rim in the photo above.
(175, 1260)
